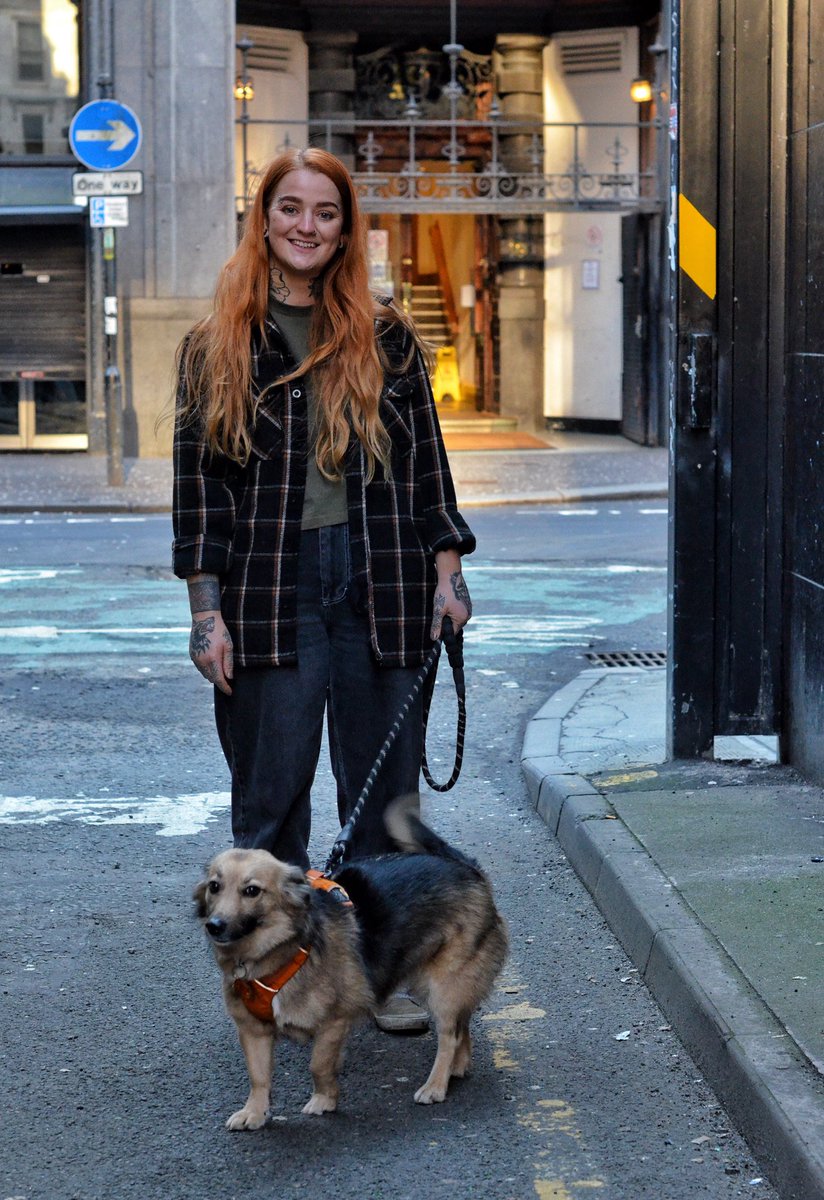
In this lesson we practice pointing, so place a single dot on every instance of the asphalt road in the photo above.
(119, 1063)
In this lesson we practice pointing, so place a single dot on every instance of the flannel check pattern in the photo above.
(243, 524)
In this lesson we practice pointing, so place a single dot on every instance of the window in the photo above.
(32, 133)
(30, 51)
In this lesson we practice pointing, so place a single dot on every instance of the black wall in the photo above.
(804, 439)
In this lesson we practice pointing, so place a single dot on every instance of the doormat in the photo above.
(494, 441)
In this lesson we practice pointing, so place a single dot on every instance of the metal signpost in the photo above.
(105, 135)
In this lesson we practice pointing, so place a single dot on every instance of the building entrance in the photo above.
(43, 349)
(440, 268)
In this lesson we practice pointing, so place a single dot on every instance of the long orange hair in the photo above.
(345, 356)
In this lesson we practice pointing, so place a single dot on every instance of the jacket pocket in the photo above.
(267, 435)
(394, 410)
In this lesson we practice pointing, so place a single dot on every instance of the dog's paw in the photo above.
(317, 1105)
(246, 1118)
(430, 1095)
(462, 1066)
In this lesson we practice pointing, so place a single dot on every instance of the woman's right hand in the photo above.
(211, 650)
(210, 645)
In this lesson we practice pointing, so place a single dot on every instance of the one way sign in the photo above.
(105, 135)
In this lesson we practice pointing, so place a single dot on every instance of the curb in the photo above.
(638, 491)
(81, 506)
(758, 1073)
(634, 491)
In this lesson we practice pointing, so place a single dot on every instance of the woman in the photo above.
(315, 516)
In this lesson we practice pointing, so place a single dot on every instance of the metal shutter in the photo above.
(43, 300)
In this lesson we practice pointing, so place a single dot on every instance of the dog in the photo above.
(306, 963)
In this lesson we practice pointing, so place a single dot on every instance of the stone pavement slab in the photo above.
(762, 895)
(584, 467)
(712, 877)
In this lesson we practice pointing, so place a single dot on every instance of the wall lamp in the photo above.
(641, 91)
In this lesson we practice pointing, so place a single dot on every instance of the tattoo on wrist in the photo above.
(199, 641)
(460, 590)
(204, 595)
(280, 289)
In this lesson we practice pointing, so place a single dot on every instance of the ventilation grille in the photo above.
(270, 58)
(591, 58)
(629, 658)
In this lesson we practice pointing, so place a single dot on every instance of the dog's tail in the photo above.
(408, 832)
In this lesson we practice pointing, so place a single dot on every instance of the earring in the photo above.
(266, 235)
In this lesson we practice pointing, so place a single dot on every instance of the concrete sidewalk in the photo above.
(577, 467)
(712, 877)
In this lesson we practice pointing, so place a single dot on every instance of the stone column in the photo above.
(332, 89)
(519, 85)
(177, 73)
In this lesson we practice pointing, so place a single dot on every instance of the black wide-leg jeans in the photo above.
(271, 727)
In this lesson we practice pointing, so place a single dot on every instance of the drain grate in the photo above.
(629, 658)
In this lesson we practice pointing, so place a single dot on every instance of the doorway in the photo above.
(440, 270)
(43, 350)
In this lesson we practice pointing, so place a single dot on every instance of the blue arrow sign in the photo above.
(105, 135)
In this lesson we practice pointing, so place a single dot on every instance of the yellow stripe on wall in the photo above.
(696, 246)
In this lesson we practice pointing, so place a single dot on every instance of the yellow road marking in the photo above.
(551, 1189)
(696, 246)
(629, 777)
(556, 1189)
(515, 1012)
(552, 1120)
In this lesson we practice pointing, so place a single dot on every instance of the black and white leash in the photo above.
(454, 652)
(454, 649)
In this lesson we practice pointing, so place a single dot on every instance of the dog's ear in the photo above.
(296, 889)
(199, 897)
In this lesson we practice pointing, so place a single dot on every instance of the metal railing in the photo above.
(495, 166)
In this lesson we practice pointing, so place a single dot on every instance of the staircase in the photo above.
(427, 311)
(462, 427)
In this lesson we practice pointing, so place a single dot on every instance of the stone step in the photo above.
(475, 423)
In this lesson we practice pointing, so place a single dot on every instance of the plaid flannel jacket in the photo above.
(243, 523)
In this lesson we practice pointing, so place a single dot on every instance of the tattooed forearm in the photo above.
(204, 594)
(460, 590)
(199, 640)
(280, 288)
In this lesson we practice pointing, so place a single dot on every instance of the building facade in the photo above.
(496, 175)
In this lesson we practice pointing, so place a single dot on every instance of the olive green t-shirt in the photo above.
(324, 501)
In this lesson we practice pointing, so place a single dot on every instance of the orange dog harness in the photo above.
(259, 994)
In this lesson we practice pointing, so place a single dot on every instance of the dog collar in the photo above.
(258, 994)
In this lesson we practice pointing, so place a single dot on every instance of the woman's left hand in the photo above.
(452, 597)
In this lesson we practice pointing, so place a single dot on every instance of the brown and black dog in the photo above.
(423, 919)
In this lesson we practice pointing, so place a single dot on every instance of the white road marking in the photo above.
(53, 631)
(176, 816)
(654, 512)
(558, 629)
(520, 568)
(33, 574)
